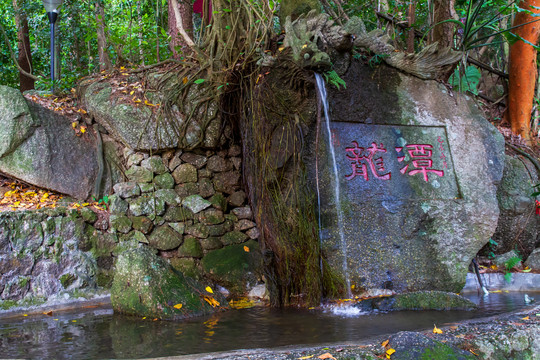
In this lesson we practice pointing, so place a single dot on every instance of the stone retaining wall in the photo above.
(191, 208)
(188, 206)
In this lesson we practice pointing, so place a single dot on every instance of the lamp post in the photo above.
(51, 6)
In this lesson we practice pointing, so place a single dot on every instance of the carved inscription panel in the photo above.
(394, 162)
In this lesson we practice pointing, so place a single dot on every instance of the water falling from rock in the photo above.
(321, 88)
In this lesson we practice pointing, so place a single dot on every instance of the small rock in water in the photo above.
(528, 299)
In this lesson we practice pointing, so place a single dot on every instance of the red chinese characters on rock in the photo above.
(366, 161)
(363, 159)
(421, 160)
(441, 149)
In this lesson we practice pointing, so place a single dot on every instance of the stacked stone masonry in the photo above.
(185, 205)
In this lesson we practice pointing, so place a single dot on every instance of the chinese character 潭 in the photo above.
(362, 158)
(421, 160)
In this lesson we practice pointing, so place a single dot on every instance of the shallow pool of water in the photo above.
(98, 333)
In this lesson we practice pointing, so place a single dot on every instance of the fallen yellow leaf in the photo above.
(305, 357)
(326, 356)
(83, 129)
(241, 304)
(526, 318)
(185, 80)
(178, 306)
(209, 289)
(211, 301)
(384, 343)
(436, 330)
(390, 351)
(74, 124)
(246, 249)
(132, 92)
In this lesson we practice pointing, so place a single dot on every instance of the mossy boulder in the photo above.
(421, 300)
(235, 266)
(432, 300)
(146, 285)
(39, 147)
(517, 227)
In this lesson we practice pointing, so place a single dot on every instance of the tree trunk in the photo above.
(157, 31)
(178, 43)
(23, 44)
(411, 18)
(444, 33)
(104, 59)
(140, 34)
(522, 71)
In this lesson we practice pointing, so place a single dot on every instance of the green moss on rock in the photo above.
(432, 300)
(165, 238)
(190, 248)
(146, 285)
(233, 266)
(233, 237)
(67, 279)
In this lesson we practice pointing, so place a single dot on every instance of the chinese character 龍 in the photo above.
(363, 158)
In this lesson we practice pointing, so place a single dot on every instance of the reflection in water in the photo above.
(99, 334)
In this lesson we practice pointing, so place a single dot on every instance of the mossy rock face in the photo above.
(146, 285)
(234, 266)
(432, 300)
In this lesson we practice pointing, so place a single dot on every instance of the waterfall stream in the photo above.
(324, 100)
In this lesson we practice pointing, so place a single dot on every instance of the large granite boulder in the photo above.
(518, 222)
(417, 172)
(40, 147)
(142, 127)
(146, 285)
